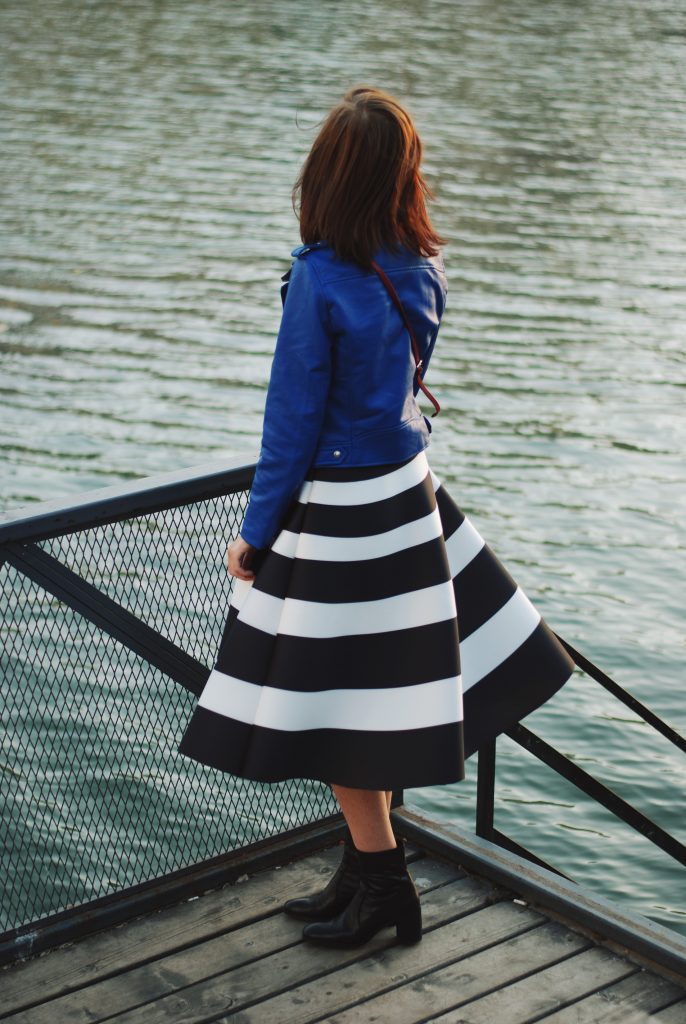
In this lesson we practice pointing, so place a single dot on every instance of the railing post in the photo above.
(485, 790)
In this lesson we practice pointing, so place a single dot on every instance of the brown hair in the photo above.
(361, 188)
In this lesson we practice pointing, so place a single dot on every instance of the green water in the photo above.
(148, 152)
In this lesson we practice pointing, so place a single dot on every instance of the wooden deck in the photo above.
(486, 957)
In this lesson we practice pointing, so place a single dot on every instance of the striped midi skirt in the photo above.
(379, 644)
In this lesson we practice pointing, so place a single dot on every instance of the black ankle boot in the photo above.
(341, 888)
(386, 896)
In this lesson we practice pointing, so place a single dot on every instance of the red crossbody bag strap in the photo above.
(415, 348)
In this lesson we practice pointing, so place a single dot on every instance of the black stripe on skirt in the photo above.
(379, 645)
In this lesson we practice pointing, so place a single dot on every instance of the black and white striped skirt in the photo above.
(379, 644)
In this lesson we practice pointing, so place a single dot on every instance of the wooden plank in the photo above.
(635, 997)
(428, 872)
(223, 949)
(151, 935)
(544, 991)
(664, 947)
(628, 1016)
(674, 1014)
(176, 927)
(404, 985)
(263, 975)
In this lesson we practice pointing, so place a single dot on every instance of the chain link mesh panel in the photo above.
(95, 797)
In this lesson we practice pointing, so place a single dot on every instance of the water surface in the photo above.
(148, 152)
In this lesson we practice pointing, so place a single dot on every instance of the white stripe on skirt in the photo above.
(321, 548)
(462, 546)
(498, 638)
(372, 709)
(480, 653)
(294, 617)
(361, 492)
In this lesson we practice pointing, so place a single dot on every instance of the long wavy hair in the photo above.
(361, 187)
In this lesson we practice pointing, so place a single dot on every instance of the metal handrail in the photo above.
(124, 501)
(23, 530)
(44, 548)
(627, 698)
(567, 769)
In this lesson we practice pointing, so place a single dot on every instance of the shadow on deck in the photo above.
(504, 941)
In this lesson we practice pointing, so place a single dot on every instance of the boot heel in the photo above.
(408, 928)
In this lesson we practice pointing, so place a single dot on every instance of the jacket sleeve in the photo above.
(295, 404)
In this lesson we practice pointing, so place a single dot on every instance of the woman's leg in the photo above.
(367, 814)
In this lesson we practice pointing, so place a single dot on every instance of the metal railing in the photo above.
(567, 769)
(109, 602)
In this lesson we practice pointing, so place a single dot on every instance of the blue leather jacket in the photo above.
(342, 390)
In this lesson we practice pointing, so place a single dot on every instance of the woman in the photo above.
(341, 659)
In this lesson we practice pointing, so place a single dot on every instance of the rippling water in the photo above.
(148, 152)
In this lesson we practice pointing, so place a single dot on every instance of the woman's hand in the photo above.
(239, 555)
